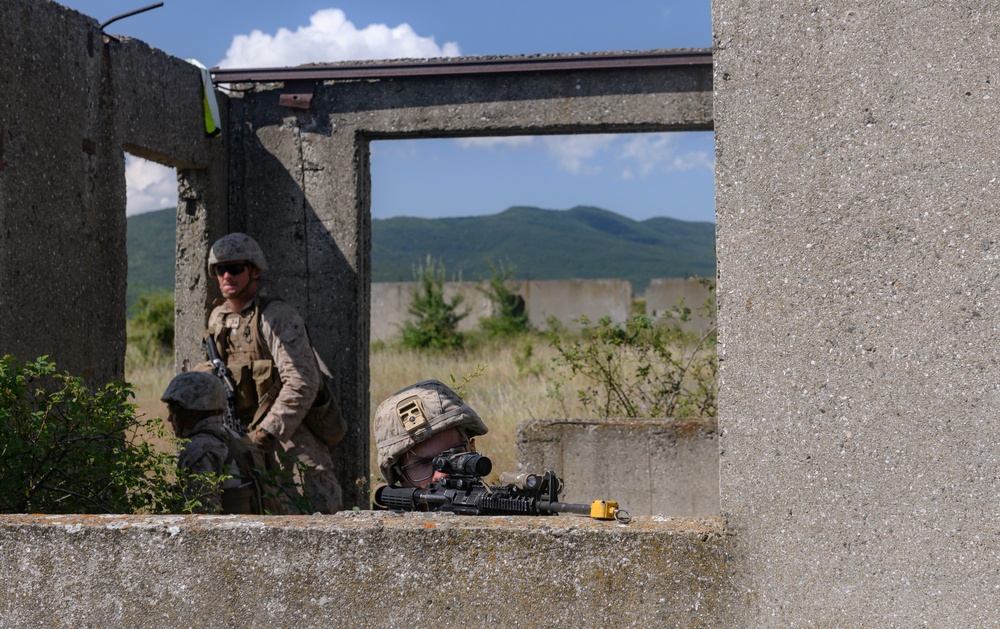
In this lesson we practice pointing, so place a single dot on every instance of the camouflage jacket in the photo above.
(276, 391)
(205, 453)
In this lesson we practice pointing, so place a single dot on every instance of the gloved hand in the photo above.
(262, 439)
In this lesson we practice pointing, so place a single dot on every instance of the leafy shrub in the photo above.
(509, 317)
(639, 368)
(151, 328)
(69, 449)
(434, 319)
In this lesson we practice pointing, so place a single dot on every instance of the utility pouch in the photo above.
(324, 419)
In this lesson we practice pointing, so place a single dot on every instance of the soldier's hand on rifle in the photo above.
(262, 439)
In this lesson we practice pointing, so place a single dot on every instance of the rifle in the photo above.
(219, 368)
(463, 492)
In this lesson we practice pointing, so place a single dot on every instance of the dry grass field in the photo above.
(502, 393)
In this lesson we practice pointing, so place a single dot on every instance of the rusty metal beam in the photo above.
(465, 66)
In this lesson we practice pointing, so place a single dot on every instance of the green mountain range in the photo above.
(581, 243)
(151, 242)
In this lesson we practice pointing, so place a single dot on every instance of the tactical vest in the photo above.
(241, 346)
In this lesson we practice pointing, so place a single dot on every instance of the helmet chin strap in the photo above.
(245, 293)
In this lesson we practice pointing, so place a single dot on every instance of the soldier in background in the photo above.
(415, 425)
(196, 402)
(264, 343)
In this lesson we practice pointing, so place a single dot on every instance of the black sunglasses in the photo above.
(232, 269)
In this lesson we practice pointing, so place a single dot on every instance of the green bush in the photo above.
(509, 317)
(69, 449)
(433, 322)
(639, 368)
(151, 328)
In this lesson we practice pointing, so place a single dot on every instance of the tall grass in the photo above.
(150, 373)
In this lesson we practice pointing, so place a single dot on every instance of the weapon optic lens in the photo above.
(463, 464)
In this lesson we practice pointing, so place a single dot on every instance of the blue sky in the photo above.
(636, 175)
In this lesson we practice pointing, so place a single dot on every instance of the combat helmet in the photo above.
(236, 246)
(196, 391)
(414, 414)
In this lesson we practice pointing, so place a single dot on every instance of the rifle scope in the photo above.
(462, 464)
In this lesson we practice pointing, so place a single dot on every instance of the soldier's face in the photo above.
(416, 467)
(234, 277)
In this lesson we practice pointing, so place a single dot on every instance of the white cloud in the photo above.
(575, 153)
(638, 155)
(148, 186)
(331, 37)
(646, 153)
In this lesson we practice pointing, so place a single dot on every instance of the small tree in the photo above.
(509, 317)
(639, 368)
(434, 319)
(151, 329)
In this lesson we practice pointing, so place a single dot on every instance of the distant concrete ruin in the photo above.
(562, 300)
(856, 185)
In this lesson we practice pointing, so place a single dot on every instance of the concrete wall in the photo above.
(663, 294)
(72, 102)
(856, 198)
(564, 300)
(662, 467)
(391, 301)
(361, 569)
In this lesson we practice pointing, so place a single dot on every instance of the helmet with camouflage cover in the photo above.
(414, 414)
(196, 391)
(234, 247)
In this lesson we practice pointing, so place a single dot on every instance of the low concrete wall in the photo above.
(361, 569)
(649, 466)
(664, 294)
(566, 300)
(391, 301)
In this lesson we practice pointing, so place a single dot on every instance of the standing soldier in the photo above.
(264, 343)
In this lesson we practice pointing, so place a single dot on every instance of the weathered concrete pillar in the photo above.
(859, 310)
(74, 101)
(299, 186)
(62, 193)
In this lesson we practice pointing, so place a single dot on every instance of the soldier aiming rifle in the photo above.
(425, 436)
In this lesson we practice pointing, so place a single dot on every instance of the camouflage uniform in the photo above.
(208, 448)
(291, 380)
(415, 414)
(205, 453)
(275, 391)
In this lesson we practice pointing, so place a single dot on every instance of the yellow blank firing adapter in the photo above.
(608, 510)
